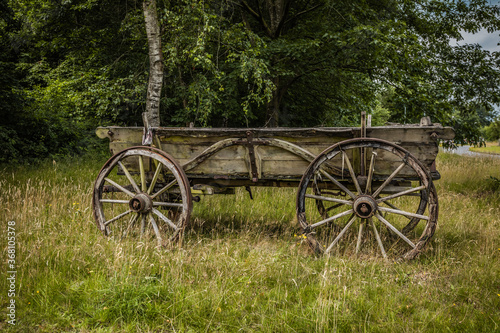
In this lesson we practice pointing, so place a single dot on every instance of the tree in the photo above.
(492, 131)
(151, 117)
(80, 63)
(363, 47)
(325, 61)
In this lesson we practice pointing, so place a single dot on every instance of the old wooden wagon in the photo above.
(357, 188)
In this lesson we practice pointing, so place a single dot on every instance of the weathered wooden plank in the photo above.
(413, 133)
(185, 144)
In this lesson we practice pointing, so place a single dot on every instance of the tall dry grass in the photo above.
(242, 267)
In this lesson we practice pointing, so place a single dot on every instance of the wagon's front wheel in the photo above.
(142, 190)
(377, 204)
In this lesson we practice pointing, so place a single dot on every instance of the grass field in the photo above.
(490, 148)
(242, 267)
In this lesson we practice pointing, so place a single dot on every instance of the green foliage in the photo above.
(495, 183)
(492, 131)
(215, 75)
(69, 67)
(76, 64)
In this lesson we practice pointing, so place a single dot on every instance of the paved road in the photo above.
(464, 151)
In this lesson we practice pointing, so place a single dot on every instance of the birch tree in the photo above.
(151, 117)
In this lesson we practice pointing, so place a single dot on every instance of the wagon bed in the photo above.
(280, 154)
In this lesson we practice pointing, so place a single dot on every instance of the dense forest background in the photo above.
(67, 66)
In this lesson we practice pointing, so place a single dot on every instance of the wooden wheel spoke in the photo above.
(116, 201)
(396, 231)
(360, 235)
(351, 171)
(339, 236)
(394, 207)
(167, 204)
(333, 218)
(389, 179)
(131, 223)
(129, 177)
(379, 240)
(400, 194)
(164, 218)
(402, 212)
(164, 189)
(333, 207)
(143, 224)
(155, 178)
(117, 217)
(155, 228)
(319, 197)
(143, 174)
(118, 186)
(370, 173)
(338, 184)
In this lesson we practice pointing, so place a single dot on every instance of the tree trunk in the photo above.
(273, 106)
(151, 117)
(277, 11)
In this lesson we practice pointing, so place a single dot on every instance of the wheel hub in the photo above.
(364, 206)
(141, 203)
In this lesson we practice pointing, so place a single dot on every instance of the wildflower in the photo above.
(219, 309)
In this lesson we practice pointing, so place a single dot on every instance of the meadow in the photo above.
(489, 148)
(242, 265)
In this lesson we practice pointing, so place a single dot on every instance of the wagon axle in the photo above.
(141, 203)
(365, 206)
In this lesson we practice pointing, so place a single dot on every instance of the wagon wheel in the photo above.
(383, 199)
(325, 209)
(139, 189)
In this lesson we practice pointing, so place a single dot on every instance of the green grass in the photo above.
(490, 148)
(241, 267)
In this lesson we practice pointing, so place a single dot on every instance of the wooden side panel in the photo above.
(187, 144)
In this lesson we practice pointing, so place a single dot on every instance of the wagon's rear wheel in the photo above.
(344, 207)
(142, 190)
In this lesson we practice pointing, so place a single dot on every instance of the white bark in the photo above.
(151, 117)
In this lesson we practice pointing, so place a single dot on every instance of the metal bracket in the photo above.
(249, 190)
(250, 143)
